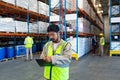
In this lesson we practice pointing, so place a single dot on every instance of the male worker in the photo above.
(102, 43)
(28, 45)
(58, 53)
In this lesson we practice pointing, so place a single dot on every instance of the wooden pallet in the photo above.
(8, 3)
(21, 32)
(10, 59)
(7, 59)
(6, 32)
(4, 60)
(20, 7)
(21, 56)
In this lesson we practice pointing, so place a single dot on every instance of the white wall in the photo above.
(107, 29)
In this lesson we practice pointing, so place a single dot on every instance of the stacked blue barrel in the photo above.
(9, 52)
(20, 50)
(34, 48)
(40, 46)
(2, 53)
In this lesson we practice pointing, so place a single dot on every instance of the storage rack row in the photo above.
(114, 27)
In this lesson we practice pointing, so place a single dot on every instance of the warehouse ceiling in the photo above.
(105, 6)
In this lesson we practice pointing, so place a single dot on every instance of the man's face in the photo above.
(53, 36)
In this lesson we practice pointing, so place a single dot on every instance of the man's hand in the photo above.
(47, 59)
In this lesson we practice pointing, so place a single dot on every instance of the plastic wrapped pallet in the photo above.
(43, 8)
(21, 26)
(82, 4)
(115, 45)
(95, 30)
(42, 27)
(7, 27)
(3, 20)
(68, 4)
(83, 48)
(23, 3)
(55, 4)
(34, 28)
(83, 25)
(53, 14)
(93, 15)
(115, 28)
(33, 5)
(9, 1)
(115, 10)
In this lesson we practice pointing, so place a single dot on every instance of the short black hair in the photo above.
(53, 28)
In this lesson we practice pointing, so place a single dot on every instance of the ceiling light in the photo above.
(99, 5)
(100, 11)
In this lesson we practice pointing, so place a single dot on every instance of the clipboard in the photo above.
(42, 63)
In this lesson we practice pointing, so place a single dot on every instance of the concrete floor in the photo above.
(87, 68)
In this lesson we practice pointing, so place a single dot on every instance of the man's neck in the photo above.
(57, 41)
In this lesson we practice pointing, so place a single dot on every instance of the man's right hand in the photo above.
(47, 59)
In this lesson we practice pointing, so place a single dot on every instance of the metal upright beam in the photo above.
(119, 23)
(62, 16)
(49, 10)
(110, 24)
(65, 32)
(77, 26)
(28, 20)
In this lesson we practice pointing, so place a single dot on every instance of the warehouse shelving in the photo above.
(44, 1)
(80, 13)
(21, 34)
(80, 34)
(89, 1)
(11, 10)
(84, 14)
(15, 11)
(20, 14)
(114, 27)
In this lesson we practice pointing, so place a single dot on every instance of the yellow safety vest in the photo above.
(28, 42)
(54, 72)
(102, 41)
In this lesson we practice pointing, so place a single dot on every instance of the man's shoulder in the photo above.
(47, 43)
(66, 43)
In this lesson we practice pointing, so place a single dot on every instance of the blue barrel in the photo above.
(34, 49)
(23, 50)
(2, 53)
(38, 47)
(19, 50)
(41, 47)
(9, 52)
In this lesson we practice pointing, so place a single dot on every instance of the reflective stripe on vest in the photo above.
(57, 73)
(102, 41)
